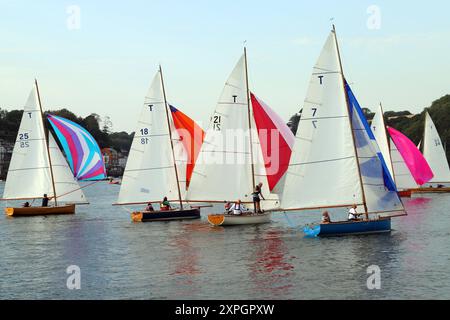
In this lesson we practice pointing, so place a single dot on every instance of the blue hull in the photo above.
(349, 228)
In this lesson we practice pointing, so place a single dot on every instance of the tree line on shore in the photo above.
(100, 128)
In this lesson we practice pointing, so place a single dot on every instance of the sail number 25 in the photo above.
(23, 137)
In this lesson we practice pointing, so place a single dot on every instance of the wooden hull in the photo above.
(40, 211)
(431, 190)
(236, 220)
(349, 228)
(405, 193)
(165, 215)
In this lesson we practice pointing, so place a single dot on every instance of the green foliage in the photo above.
(121, 141)
(411, 126)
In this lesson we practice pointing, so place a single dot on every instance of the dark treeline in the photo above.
(120, 141)
(411, 125)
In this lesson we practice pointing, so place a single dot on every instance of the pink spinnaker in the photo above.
(414, 160)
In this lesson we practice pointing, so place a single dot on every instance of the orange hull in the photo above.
(39, 211)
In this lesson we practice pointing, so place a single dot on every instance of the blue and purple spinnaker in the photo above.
(82, 151)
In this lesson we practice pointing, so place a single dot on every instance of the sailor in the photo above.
(352, 214)
(165, 205)
(26, 205)
(256, 199)
(237, 208)
(45, 200)
(326, 217)
(149, 207)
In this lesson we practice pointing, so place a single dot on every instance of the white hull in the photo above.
(236, 220)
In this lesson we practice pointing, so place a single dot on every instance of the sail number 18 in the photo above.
(144, 132)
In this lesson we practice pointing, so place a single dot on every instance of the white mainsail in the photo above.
(67, 188)
(29, 174)
(150, 170)
(222, 171)
(29, 170)
(323, 171)
(402, 175)
(379, 130)
(434, 152)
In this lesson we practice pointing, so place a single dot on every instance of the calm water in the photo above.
(191, 260)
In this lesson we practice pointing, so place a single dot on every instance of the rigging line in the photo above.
(152, 135)
(322, 161)
(80, 188)
(26, 140)
(226, 152)
(23, 169)
(149, 169)
(228, 103)
(323, 118)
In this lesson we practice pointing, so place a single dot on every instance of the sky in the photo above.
(100, 56)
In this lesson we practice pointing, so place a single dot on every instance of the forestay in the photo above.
(323, 171)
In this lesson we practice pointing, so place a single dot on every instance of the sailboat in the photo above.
(38, 167)
(157, 163)
(398, 170)
(233, 157)
(434, 153)
(336, 162)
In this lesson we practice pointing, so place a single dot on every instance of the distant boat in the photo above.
(230, 171)
(395, 164)
(115, 181)
(157, 163)
(336, 161)
(434, 153)
(38, 167)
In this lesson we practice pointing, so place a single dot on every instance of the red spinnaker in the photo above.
(276, 140)
(191, 135)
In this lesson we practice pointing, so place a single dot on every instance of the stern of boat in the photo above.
(9, 212)
(216, 219)
(137, 216)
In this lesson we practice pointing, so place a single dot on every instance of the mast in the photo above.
(249, 121)
(46, 132)
(170, 137)
(351, 124)
(424, 130)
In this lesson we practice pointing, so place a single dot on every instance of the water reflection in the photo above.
(271, 270)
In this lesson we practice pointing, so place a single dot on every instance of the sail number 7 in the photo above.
(314, 122)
